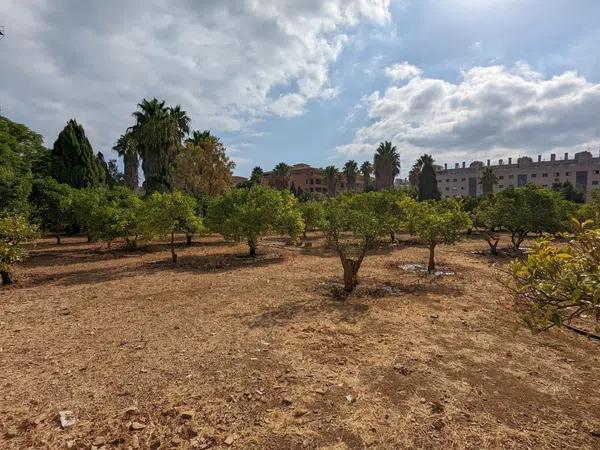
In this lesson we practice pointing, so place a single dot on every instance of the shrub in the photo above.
(51, 204)
(556, 283)
(14, 232)
(248, 214)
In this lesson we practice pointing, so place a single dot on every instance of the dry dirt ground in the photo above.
(225, 352)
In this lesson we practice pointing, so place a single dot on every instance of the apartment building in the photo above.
(583, 171)
(311, 179)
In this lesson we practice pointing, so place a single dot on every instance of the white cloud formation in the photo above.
(492, 111)
(402, 71)
(222, 61)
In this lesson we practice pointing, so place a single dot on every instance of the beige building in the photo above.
(583, 171)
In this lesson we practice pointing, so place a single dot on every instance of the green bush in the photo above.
(15, 231)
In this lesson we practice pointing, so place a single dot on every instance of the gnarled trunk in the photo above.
(431, 264)
(6, 279)
(351, 267)
(188, 238)
(492, 241)
(173, 254)
(517, 239)
(252, 247)
(57, 238)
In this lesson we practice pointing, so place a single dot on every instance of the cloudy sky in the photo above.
(311, 80)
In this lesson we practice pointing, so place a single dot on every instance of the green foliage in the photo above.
(126, 147)
(281, 175)
(108, 214)
(167, 213)
(312, 214)
(73, 160)
(386, 165)
(440, 222)
(21, 154)
(569, 192)
(351, 223)
(51, 204)
(428, 187)
(350, 172)
(591, 210)
(331, 177)
(531, 209)
(15, 231)
(488, 181)
(247, 214)
(556, 283)
(487, 216)
(366, 169)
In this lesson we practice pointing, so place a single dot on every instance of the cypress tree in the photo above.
(73, 160)
(428, 188)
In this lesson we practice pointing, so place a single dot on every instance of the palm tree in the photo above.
(366, 169)
(350, 171)
(198, 137)
(488, 180)
(281, 173)
(127, 149)
(158, 132)
(331, 176)
(386, 164)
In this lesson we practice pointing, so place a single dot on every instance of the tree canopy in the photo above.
(15, 231)
(428, 187)
(386, 165)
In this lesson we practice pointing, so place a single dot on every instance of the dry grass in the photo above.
(263, 356)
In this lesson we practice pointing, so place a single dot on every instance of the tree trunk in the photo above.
(188, 238)
(252, 246)
(6, 279)
(57, 238)
(89, 238)
(493, 243)
(351, 267)
(517, 239)
(431, 265)
(392, 237)
(173, 254)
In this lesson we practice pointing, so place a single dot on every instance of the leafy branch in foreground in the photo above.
(555, 283)
(14, 232)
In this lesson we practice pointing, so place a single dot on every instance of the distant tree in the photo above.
(104, 171)
(15, 231)
(531, 209)
(158, 132)
(428, 188)
(350, 172)
(51, 203)
(312, 214)
(366, 169)
(386, 165)
(569, 192)
(488, 180)
(247, 214)
(591, 209)
(281, 174)
(440, 222)
(256, 175)
(351, 224)
(73, 161)
(127, 149)
(331, 178)
(488, 217)
(165, 214)
(115, 176)
(559, 282)
(202, 168)
(21, 152)
(200, 137)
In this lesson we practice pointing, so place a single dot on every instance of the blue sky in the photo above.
(313, 81)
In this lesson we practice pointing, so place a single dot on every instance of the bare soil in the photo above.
(220, 351)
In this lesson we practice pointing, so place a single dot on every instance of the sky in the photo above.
(314, 81)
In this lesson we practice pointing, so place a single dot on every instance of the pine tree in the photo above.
(73, 160)
(428, 188)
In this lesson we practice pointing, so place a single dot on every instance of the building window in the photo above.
(501, 186)
(567, 174)
(501, 177)
(447, 188)
(544, 175)
(455, 180)
(462, 188)
(307, 181)
(557, 174)
(463, 179)
(595, 183)
(597, 172)
(534, 175)
(510, 177)
(447, 180)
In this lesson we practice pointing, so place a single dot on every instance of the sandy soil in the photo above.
(225, 352)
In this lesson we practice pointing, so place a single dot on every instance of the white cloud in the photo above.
(492, 111)
(222, 61)
(402, 71)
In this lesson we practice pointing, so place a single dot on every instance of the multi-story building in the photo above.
(583, 171)
(311, 179)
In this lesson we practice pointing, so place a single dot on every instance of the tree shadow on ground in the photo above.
(186, 263)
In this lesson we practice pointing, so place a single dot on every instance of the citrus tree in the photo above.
(312, 214)
(437, 222)
(351, 224)
(487, 216)
(591, 209)
(556, 283)
(165, 214)
(15, 231)
(248, 214)
(52, 205)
